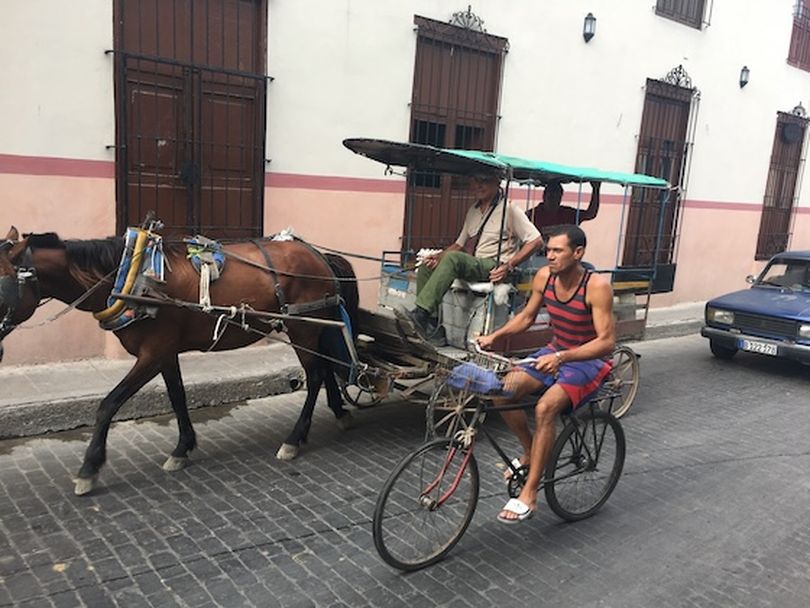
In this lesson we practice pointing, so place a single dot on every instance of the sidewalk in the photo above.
(35, 399)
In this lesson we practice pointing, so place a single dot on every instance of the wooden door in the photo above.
(190, 110)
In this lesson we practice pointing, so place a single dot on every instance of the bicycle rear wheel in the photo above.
(585, 465)
(426, 505)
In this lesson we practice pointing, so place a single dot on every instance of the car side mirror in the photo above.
(750, 279)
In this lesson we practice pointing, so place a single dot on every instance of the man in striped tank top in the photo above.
(571, 367)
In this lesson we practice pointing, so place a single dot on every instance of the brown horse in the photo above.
(44, 266)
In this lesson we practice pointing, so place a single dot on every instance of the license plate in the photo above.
(763, 348)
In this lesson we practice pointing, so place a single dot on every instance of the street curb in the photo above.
(673, 330)
(36, 418)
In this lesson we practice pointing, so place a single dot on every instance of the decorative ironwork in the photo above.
(799, 111)
(678, 77)
(468, 20)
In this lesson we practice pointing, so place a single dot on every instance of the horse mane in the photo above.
(90, 260)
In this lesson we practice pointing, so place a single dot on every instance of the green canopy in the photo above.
(421, 157)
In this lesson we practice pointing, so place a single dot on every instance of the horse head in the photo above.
(19, 288)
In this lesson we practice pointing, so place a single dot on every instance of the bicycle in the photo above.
(429, 500)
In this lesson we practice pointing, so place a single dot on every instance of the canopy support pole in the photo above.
(621, 226)
(490, 304)
(661, 215)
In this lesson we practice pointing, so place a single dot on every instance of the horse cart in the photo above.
(162, 297)
(396, 360)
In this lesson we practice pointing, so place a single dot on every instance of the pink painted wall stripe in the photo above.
(75, 167)
(46, 165)
(327, 182)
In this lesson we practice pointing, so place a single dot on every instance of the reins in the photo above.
(72, 306)
(228, 314)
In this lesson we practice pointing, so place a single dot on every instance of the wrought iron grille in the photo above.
(781, 189)
(799, 54)
(688, 12)
(190, 114)
(664, 146)
(456, 90)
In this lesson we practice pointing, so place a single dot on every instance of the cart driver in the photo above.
(570, 368)
(473, 256)
(551, 213)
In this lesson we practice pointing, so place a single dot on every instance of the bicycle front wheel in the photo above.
(426, 505)
(585, 465)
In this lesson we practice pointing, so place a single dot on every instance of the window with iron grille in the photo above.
(456, 91)
(688, 12)
(799, 54)
(780, 189)
(665, 143)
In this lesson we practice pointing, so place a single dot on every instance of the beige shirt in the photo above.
(518, 230)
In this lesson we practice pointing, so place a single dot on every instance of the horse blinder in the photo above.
(11, 291)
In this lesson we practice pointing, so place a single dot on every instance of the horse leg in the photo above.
(143, 371)
(315, 379)
(345, 421)
(187, 440)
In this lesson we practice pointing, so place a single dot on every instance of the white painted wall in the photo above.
(56, 83)
(344, 68)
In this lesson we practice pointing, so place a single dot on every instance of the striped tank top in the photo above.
(571, 320)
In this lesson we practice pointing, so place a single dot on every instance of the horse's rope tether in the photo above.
(250, 262)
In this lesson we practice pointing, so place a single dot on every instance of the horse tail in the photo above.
(347, 282)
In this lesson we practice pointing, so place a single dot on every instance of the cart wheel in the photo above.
(622, 381)
(448, 411)
(365, 392)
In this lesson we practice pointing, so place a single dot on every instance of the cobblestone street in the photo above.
(710, 509)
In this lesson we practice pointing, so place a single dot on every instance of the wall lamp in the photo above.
(744, 74)
(589, 27)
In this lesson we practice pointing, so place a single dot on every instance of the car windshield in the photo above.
(789, 274)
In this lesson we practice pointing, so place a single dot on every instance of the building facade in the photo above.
(227, 117)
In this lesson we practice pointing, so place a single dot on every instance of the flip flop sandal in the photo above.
(517, 507)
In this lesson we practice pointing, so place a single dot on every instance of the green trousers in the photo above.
(431, 285)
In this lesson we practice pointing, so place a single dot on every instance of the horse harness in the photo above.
(11, 287)
(303, 307)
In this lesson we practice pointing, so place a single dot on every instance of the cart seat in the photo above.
(479, 288)
(502, 290)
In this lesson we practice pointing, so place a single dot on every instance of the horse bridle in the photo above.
(12, 287)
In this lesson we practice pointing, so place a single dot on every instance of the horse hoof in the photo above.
(84, 485)
(287, 451)
(345, 422)
(175, 463)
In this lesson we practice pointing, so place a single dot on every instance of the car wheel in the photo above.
(722, 352)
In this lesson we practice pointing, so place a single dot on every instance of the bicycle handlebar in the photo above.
(500, 358)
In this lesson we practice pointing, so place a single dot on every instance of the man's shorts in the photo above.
(579, 379)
